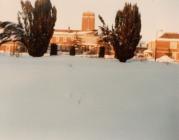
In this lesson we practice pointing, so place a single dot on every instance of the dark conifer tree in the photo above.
(125, 35)
(38, 23)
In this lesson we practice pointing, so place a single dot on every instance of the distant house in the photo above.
(167, 44)
(10, 37)
(8, 47)
(12, 47)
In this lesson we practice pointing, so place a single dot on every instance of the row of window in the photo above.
(173, 45)
(62, 39)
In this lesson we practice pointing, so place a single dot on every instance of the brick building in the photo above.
(167, 44)
(83, 40)
(86, 39)
(12, 47)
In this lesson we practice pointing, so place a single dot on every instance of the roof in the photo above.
(170, 36)
(88, 13)
(66, 30)
(79, 32)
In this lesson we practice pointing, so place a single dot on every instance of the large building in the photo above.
(167, 44)
(85, 39)
(67, 38)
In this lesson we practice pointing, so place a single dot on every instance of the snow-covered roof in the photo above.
(170, 36)
(72, 32)
(148, 51)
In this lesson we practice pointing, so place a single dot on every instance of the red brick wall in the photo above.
(88, 22)
(162, 48)
(177, 56)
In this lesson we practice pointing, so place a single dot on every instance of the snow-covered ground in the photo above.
(74, 98)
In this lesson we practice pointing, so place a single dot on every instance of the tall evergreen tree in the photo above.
(124, 36)
(38, 23)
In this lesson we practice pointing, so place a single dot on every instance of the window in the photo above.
(68, 39)
(60, 39)
(64, 39)
(54, 39)
(173, 45)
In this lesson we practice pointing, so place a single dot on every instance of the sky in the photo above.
(158, 16)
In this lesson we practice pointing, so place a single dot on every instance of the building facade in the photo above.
(167, 44)
(12, 47)
(84, 40)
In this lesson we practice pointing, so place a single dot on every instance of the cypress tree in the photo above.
(124, 36)
(38, 23)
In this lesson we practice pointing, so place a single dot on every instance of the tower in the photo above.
(88, 21)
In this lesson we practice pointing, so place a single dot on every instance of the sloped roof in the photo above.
(88, 13)
(170, 36)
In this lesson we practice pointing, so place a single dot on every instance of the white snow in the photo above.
(1, 30)
(148, 51)
(9, 24)
(74, 98)
(164, 59)
(13, 37)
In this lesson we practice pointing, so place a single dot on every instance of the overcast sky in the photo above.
(156, 14)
